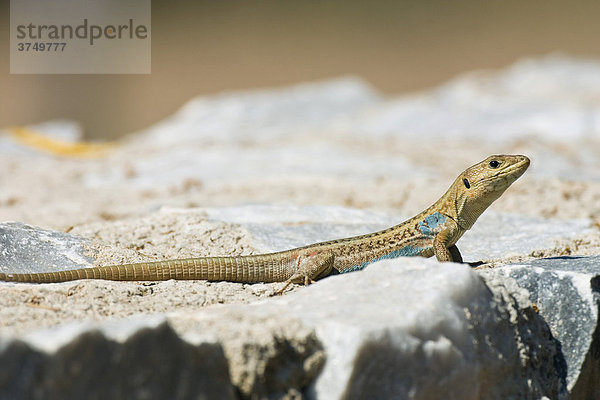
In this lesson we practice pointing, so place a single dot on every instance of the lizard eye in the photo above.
(467, 184)
(494, 164)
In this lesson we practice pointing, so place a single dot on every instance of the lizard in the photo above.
(434, 231)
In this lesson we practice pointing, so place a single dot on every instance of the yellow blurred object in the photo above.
(60, 147)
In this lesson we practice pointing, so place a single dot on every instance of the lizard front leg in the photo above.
(442, 251)
(310, 268)
(455, 254)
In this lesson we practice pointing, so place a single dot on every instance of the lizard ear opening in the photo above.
(467, 184)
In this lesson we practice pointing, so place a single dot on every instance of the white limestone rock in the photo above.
(262, 114)
(412, 328)
(566, 291)
(500, 235)
(25, 248)
(421, 329)
(270, 355)
(137, 358)
(552, 97)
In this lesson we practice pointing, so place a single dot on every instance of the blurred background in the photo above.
(203, 47)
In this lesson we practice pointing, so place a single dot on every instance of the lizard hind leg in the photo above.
(310, 268)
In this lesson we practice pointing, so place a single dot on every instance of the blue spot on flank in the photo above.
(407, 251)
(430, 223)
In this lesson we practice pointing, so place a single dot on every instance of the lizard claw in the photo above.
(295, 278)
(280, 291)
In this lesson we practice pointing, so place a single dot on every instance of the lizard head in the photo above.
(478, 186)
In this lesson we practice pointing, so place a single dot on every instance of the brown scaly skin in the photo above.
(432, 232)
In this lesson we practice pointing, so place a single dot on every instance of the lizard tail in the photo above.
(257, 268)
